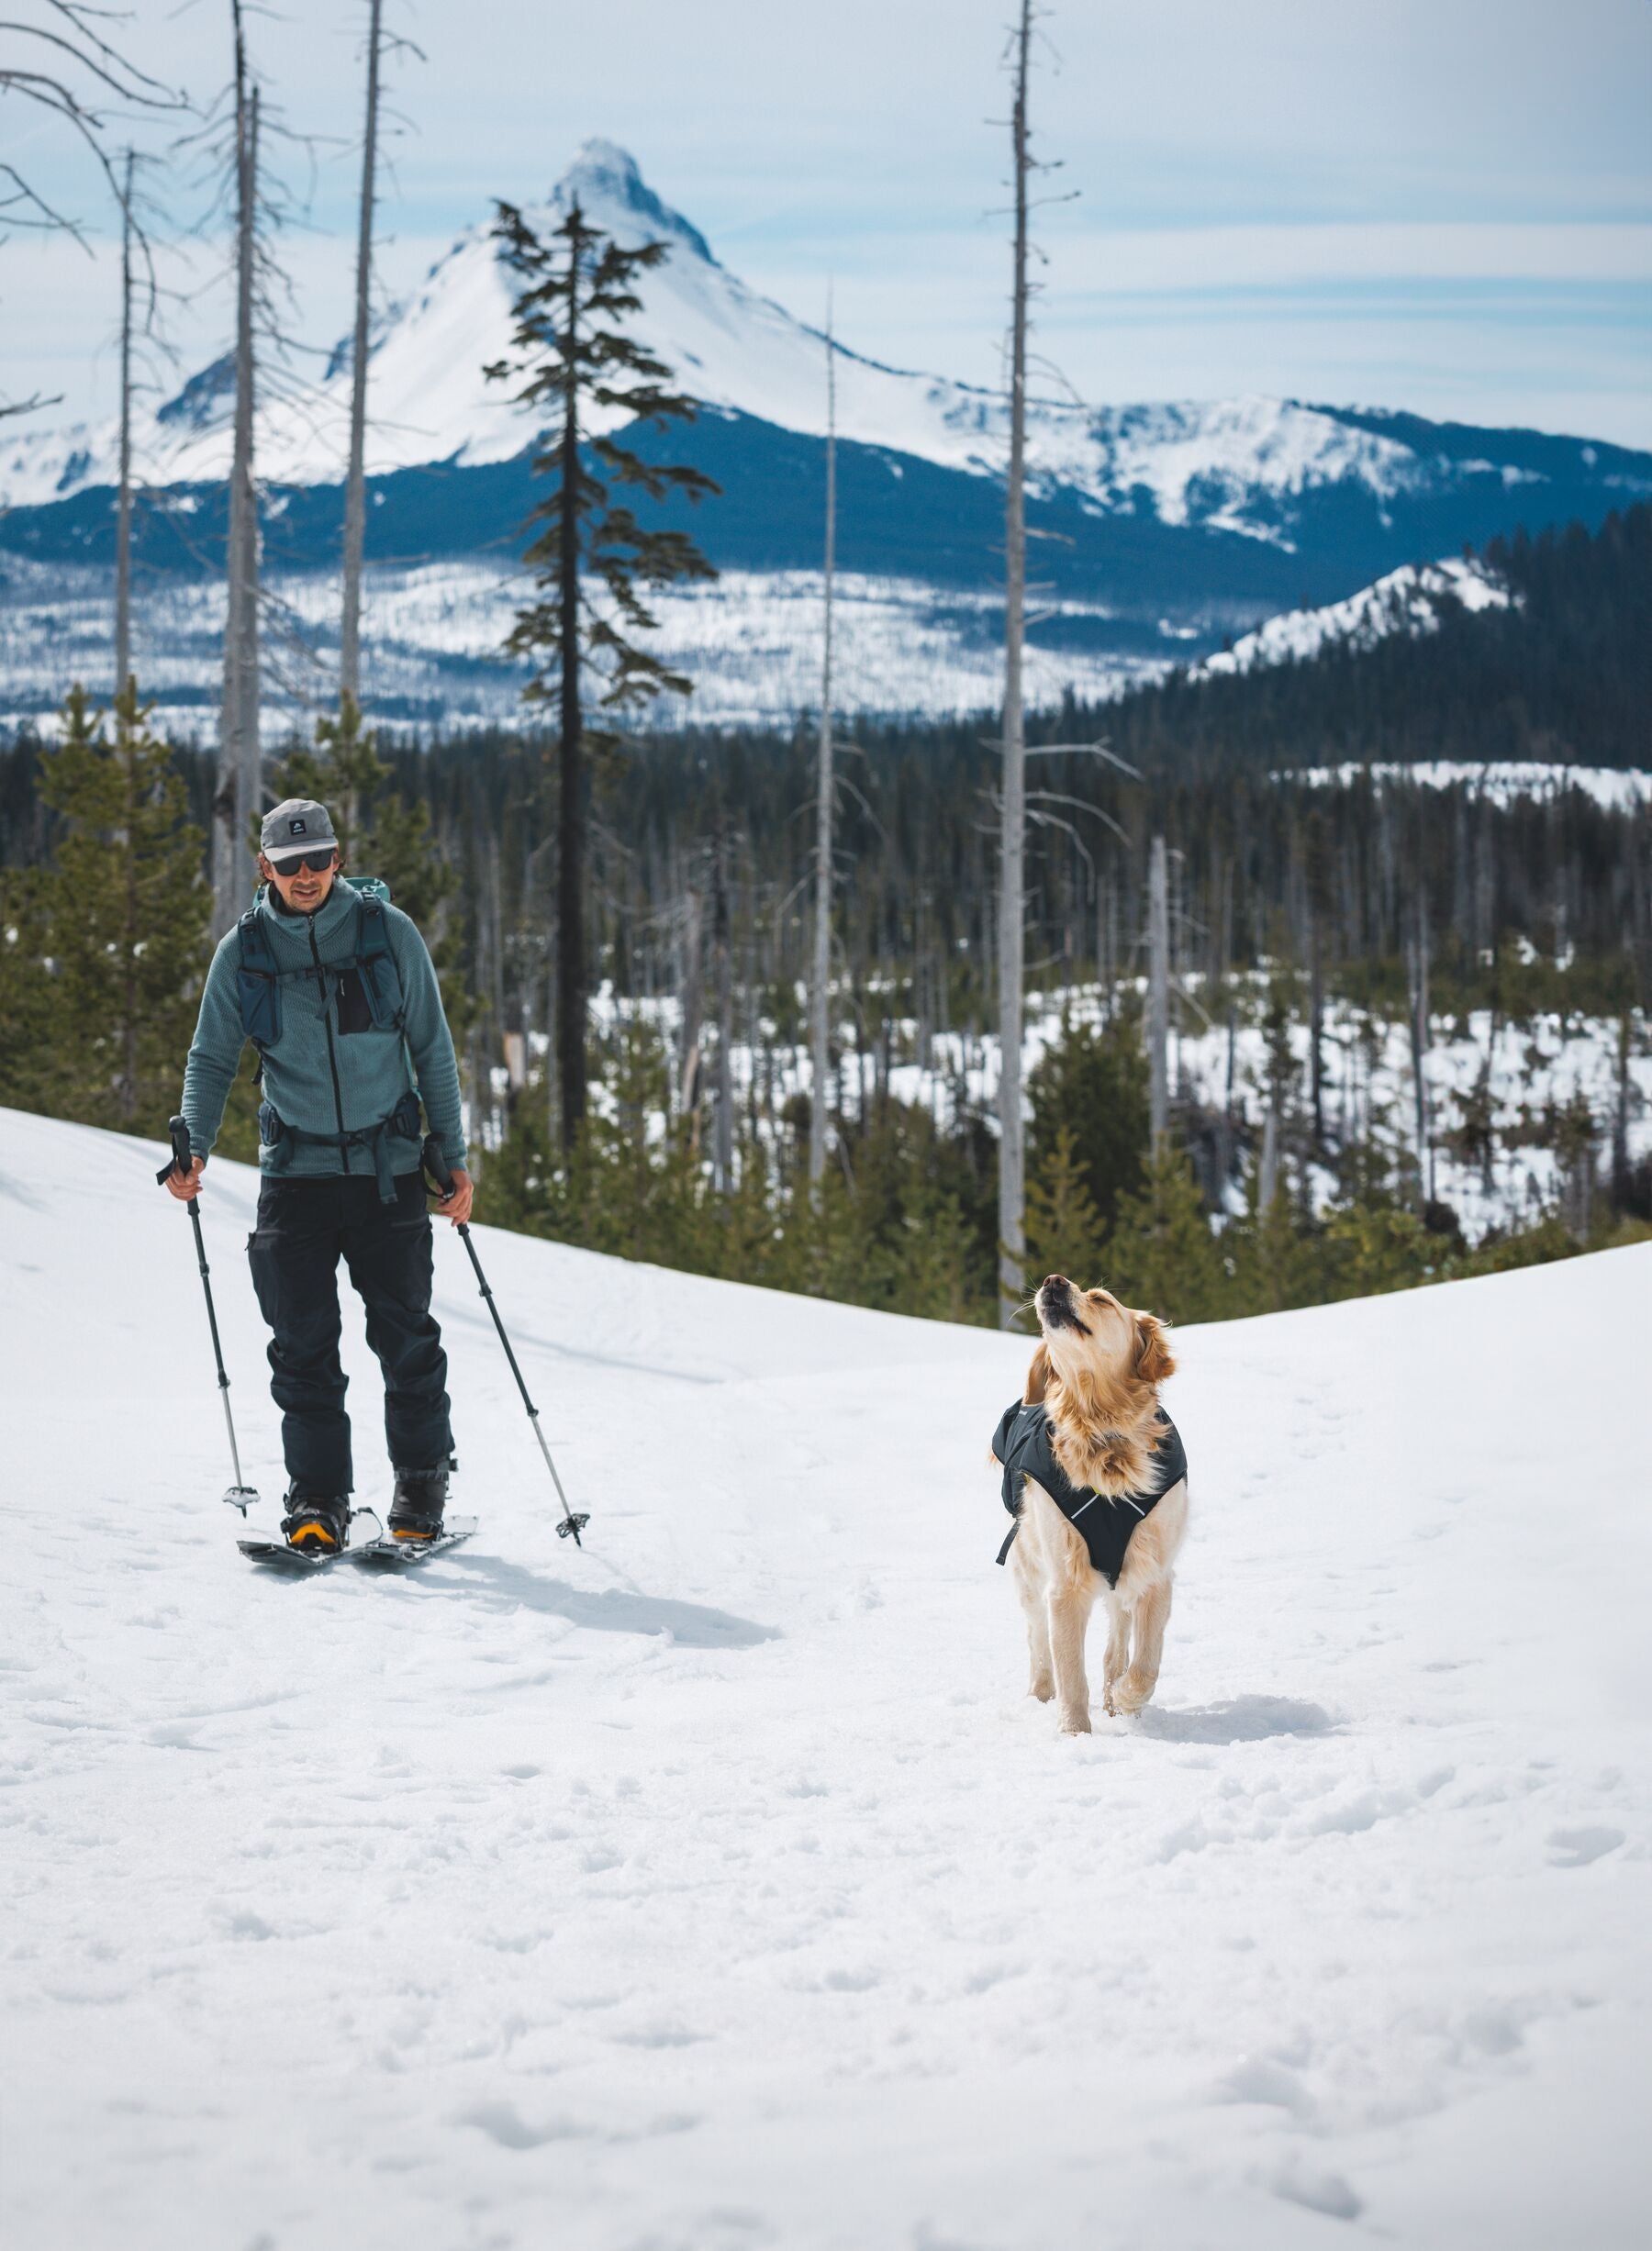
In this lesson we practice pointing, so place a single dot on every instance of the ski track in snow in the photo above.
(717, 1887)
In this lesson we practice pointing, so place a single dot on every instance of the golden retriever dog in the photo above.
(1095, 1477)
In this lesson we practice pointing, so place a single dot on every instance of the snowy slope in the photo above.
(717, 1888)
(1408, 601)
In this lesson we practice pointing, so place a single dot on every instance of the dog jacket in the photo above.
(1022, 1443)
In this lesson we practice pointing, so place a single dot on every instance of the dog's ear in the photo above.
(1038, 1378)
(1154, 1358)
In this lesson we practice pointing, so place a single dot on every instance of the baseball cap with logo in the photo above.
(294, 826)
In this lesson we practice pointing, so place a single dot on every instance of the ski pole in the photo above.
(570, 1525)
(239, 1496)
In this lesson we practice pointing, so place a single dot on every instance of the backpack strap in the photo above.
(258, 983)
(375, 965)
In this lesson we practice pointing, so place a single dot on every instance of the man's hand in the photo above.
(456, 1204)
(186, 1186)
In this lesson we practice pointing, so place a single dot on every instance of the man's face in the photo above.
(300, 889)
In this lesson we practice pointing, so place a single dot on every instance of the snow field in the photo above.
(718, 1887)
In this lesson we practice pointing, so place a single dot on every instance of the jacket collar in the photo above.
(329, 921)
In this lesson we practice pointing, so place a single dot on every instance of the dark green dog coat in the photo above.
(1023, 1443)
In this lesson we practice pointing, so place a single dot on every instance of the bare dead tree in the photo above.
(68, 65)
(825, 794)
(238, 773)
(123, 510)
(1014, 835)
(355, 483)
(1157, 1025)
(379, 44)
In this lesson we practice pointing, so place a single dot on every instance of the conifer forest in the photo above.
(1348, 956)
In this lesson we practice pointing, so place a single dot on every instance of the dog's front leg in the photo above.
(1041, 1681)
(1068, 1620)
(1152, 1616)
(1118, 1649)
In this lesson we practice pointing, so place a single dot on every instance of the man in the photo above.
(337, 991)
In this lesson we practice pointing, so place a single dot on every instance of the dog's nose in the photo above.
(1056, 1281)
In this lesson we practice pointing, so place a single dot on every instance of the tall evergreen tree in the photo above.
(576, 366)
(124, 918)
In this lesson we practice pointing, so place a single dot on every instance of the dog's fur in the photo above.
(1099, 1382)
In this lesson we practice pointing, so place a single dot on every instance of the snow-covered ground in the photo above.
(1536, 1066)
(749, 643)
(1499, 780)
(717, 1887)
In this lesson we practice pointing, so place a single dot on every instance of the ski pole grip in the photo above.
(435, 1163)
(182, 1158)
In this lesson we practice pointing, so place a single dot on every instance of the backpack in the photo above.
(259, 980)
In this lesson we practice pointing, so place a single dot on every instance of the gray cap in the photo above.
(294, 826)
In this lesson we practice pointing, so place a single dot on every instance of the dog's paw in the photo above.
(1127, 1695)
(1045, 1689)
(1076, 1723)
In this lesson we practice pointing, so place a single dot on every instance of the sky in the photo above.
(1444, 205)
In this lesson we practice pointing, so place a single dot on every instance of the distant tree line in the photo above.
(1417, 903)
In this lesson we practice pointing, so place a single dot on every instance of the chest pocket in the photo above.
(355, 1009)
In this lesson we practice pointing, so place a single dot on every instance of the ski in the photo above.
(365, 1531)
(400, 1554)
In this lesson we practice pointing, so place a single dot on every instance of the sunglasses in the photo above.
(317, 862)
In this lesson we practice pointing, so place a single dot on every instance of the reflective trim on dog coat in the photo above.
(1023, 1442)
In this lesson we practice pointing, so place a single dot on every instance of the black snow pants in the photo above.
(303, 1227)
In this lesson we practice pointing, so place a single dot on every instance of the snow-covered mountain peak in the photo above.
(606, 183)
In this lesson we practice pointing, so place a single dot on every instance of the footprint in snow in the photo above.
(1575, 1848)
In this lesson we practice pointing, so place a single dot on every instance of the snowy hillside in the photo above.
(717, 1887)
(1405, 601)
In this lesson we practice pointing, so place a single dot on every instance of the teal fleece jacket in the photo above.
(320, 1078)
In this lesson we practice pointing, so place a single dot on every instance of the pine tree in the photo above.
(1093, 1085)
(1065, 1234)
(124, 919)
(576, 364)
(1163, 1254)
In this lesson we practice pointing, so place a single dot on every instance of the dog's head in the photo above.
(1097, 1348)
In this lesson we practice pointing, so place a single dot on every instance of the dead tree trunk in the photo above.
(1012, 852)
(1419, 1047)
(571, 996)
(820, 976)
(239, 774)
(355, 483)
(723, 942)
(123, 513)
(1157, 1025)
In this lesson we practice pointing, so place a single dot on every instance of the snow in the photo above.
(1404, 601)
(716, 1886)
(1229, 463)
(750, 641)
(1619, 788)
(1533, 1065)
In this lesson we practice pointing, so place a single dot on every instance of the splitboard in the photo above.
(403, 1554)
(365, 1531)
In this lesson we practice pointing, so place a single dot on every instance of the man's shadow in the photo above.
(692, 1625)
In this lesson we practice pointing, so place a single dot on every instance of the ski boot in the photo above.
(316, 1523)
(418, 1503)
